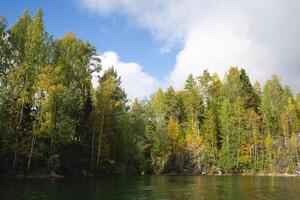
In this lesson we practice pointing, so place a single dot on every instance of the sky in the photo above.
(159, 43)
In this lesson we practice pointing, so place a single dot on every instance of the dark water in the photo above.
(154, 187)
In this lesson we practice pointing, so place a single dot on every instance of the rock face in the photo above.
(53, 162)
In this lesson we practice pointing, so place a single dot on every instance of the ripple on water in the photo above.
(156, 187)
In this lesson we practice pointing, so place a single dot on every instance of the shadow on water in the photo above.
(154, 187)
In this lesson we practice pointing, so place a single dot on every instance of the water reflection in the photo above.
(154, 187)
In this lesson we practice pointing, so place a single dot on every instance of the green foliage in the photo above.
(271, 105)
(251, 98)
(48, 106)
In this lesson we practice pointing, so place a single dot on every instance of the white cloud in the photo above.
(261, 36)
(136, 82)
(216, 48)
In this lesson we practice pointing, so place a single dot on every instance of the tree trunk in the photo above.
(100, 140)
(18, 129)
(193, 131)
(19, 124)
(53, 131)
(15, 158)
(31, 150)
(92, 156)
(255, 150)
(238, 143)
(213, 150)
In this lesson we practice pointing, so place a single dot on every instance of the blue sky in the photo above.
(159, 43)
(106, 33)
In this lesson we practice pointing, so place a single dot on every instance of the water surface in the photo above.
(154, 187)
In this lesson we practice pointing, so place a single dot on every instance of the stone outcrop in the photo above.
(54, 162)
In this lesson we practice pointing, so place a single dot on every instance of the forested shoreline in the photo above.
(52, 119)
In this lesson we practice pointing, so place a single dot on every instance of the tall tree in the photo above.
(109, 97)
(193, 106)
(271, 106)
(210, 136)
(35, 58)
(251, 99)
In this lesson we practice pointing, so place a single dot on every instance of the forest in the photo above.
(51, 113)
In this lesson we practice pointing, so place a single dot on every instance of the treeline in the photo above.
(229, 126)
(49, 108)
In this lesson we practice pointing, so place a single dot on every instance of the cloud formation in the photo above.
(260, 36)
(136, 82)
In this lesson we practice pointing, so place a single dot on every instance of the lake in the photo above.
(154, 187)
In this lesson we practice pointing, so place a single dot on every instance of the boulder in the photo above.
(53, 162)
(52, 174)
(84, 173)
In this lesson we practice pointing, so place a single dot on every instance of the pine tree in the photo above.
(251, 99)
(209, 129)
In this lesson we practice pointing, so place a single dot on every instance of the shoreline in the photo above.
(41, 176)
(273, 175)
(57, 176)
(259, 174)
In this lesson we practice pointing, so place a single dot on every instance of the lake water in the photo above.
(154, 187)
